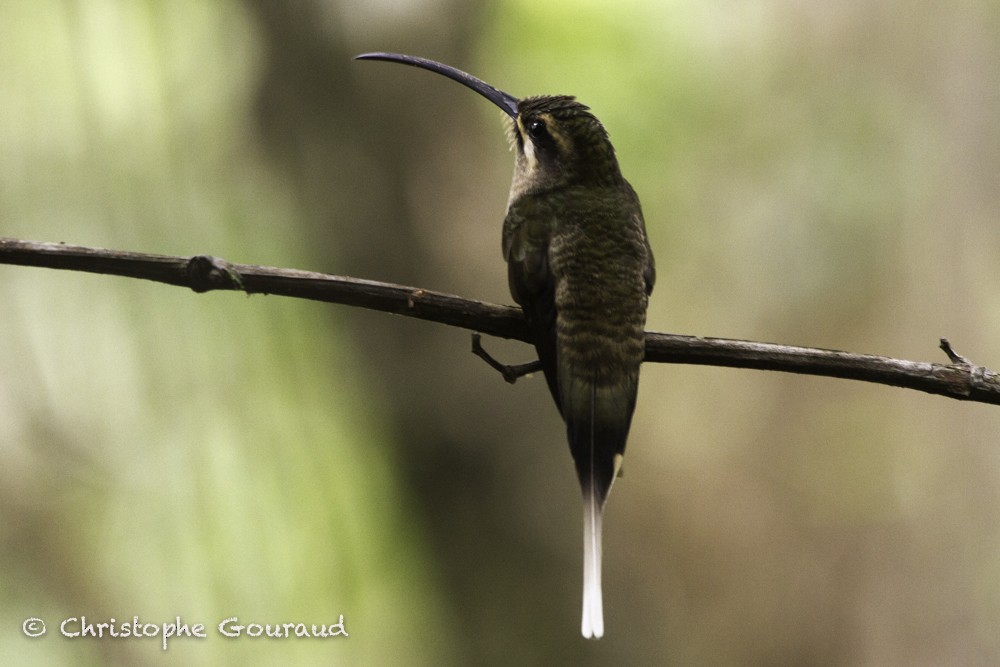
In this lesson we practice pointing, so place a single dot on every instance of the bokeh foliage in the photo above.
(814, 174)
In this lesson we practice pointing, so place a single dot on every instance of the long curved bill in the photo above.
(507, 102)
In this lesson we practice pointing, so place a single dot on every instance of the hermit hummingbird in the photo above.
(580, 266)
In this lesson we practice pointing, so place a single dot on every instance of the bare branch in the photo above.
(959, 379)
(203, 273)
(955, 357)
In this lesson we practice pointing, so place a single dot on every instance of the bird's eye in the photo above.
(539, 134)
(537, 130)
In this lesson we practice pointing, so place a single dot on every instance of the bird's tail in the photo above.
(592, 624)
(597, 421)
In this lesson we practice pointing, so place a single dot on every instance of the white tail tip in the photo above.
(592, 625)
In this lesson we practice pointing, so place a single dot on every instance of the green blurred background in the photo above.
(823, 174)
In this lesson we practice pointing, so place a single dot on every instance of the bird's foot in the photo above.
(509, 373)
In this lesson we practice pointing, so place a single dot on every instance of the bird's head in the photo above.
(558, 142)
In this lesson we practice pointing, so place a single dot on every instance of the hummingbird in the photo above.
(581, 268)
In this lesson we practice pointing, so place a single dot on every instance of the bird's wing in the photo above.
(527, 230)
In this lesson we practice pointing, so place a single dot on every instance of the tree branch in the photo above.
(959, 379)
